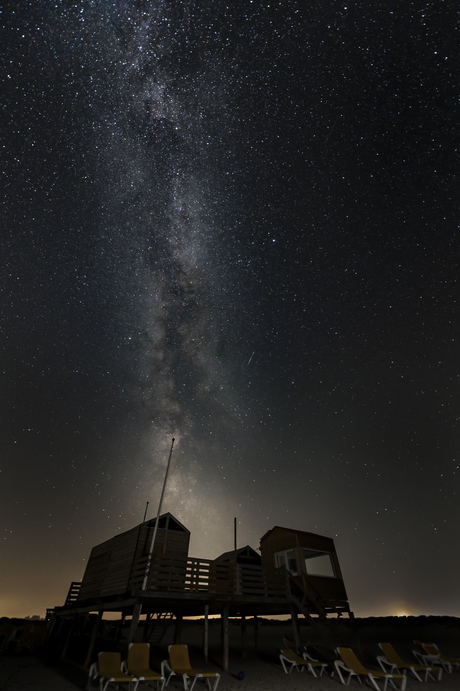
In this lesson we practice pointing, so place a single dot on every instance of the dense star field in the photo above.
(234, 224)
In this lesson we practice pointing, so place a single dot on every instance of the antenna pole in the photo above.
(145, 512)
(155, 530)
(138, 607)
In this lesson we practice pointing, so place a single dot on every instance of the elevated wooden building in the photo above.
(114, 564)
(296, 572)
(315, 578)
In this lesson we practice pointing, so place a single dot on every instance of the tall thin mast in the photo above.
(137, 611)
(152, 543)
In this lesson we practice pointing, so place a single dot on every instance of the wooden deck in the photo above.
(187, 585)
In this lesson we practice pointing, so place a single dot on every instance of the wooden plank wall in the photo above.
(109, 567)
(203, 575)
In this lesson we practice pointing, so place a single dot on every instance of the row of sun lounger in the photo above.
(430, 665)
(136, 669)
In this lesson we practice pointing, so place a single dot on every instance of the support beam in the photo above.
(357, 645)
(206, 634)
(178, 628)
(243, 637)
(120, 628)
(256, 633)
(134, 622)
(69, 636)
(225, 637)
(147, 627)
(93, 639)
(295, 627)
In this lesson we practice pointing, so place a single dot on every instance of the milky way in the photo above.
(234, 226)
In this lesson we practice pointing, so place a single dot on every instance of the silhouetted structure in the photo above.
(315, 578)
(297, 572)
(116, 565)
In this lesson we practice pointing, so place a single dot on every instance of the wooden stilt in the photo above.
(295, 627)
(120, 628)
(243, 637)
(357, 645)
(225, 637)
(206, 634)
(147, 628)
(93, 639)
(69, 636)
(134, 623)
(178, 628)
(52, 626)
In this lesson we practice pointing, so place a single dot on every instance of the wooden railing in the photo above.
(190, 575)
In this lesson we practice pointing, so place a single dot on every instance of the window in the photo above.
(318, 563)
(288, 560)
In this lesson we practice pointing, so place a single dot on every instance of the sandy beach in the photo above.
(260, 666)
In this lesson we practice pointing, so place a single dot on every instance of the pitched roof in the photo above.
(174, 524)
(292, 530)
(229, 555)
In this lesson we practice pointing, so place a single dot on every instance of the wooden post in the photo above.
(295, 627)
(357, 645)
(134, 622)
(243, 637)
(225, 637)
(206, 634)
(69, 636)
(178, 628)
(147, 627)
(256, 633)
(93, 639)
(120, 628)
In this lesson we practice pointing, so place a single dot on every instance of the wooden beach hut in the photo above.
(114, 564)
(312, 563)
(246, 556)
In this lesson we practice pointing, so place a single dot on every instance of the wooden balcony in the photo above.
(204, 576)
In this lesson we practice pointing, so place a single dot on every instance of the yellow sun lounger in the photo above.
(138, 664)
(108, 670)
(289, 657)
(390, 661)
(431, 654)
(179, 663)
(351, 666)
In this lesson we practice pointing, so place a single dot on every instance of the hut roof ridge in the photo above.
(231, 552)
(294, 530)
(151, 521)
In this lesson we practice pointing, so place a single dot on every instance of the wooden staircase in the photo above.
(307, 601)
(73, 593)
(156, 628)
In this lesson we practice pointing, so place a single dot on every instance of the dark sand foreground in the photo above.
(261, 667)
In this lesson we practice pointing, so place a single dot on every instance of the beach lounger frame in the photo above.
(390, 661)
(179, 664)
(138, 664)
(108, 670)
(349, 666)
(289, 657)
(431, 654)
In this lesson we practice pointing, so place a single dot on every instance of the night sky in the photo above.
(234, 224)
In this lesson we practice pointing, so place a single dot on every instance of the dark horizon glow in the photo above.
(238, 227)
